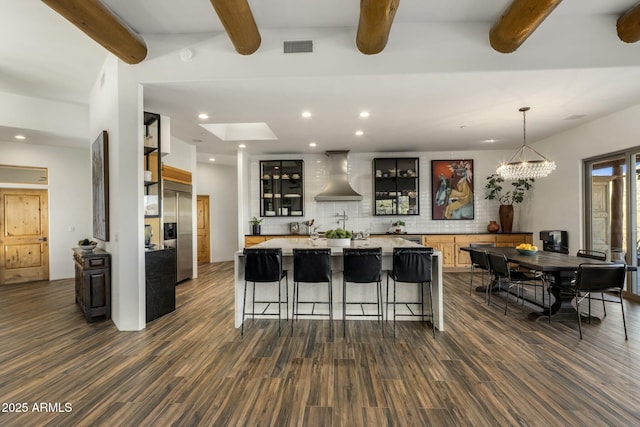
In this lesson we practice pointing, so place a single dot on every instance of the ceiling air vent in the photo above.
(299, 46)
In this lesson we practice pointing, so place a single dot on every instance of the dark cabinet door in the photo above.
(396, 186)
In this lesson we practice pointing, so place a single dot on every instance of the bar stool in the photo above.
(411, 265)
(362, 265)
(312, 266)
(264, 266)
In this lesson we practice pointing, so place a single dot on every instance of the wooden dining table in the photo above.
(558, 270)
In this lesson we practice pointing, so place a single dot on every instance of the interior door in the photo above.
(24, 229)
(204, 248)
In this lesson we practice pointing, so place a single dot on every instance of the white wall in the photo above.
(69, 193)
(220, 184)
(116, 106)
(558, 202)
(361, 178)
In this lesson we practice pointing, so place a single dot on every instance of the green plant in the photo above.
(515, 195)
(399, 223)
(338, 233)
(255, 221)
(85, 242)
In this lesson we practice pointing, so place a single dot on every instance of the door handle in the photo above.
(44, 239)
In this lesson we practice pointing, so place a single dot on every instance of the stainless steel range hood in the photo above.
(338, 188)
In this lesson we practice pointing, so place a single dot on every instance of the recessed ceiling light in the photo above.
(359, 133)
(312, 144)
(203, 116)
(489, 141)
(306, 114)
(242, 146)
(212, 159)
(20, 137)
(364, 114)
(196, 140)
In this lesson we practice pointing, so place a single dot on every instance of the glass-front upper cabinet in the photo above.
(152, 181)
(281, 188)
(395, 186)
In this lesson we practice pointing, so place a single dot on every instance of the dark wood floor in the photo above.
(192, 367)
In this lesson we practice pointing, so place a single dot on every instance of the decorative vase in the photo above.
(506, 218)
(493, 227)
(255, 229)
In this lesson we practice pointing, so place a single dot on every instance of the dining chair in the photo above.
(411, 265)
(599, 256)
(480, 261)
(600, 278)
(499, 266)
(264, 266)
(312, 266)
(362, 266)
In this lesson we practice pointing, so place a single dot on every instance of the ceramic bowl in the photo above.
(527, 252)
(88, 248)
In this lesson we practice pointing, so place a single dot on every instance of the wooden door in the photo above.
(24, 230)
(600, 215)
(204, 249)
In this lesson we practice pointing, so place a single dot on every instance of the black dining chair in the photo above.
(264, 266)
(599, 256)
(602, 278)
(312, 266)
(499, 267)
(362, 266)
(480, 261)
(411, 265)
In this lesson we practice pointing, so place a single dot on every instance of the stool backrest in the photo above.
(412, 264)
(479, 258)
(312, 265)
(588, 253)
(262, 265)
(499, 265)
(362, 265)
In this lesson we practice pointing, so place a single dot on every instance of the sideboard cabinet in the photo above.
(93, 283)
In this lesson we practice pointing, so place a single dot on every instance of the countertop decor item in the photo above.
(527, 251)
(493, 227)
(255, 225)
(87, 245)
(507, 199)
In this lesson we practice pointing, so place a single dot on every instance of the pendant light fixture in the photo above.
(519, 167)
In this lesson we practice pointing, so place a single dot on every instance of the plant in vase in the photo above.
(338, 237)
(255, 225)
(495, 191)
(398, 226)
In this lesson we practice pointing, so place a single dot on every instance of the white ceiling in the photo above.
(455, 102)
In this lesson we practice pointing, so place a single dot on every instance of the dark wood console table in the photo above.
(93, 283)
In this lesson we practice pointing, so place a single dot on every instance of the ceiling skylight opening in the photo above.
(20, 137)
(364, 114)
(241, 131)
(306, 114)
(203, 116)
(359, 133)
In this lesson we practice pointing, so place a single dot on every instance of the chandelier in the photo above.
(521, 168)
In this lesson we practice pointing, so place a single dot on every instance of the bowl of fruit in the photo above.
(87, 245)
(526, 249)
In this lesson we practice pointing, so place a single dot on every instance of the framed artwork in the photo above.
(452, 189)
(100, 186)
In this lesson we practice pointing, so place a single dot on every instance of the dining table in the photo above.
(557, 270)
(387, 244)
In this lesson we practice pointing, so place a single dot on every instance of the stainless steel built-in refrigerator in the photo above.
(178, 225)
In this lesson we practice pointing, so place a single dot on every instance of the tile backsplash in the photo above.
(360, 214)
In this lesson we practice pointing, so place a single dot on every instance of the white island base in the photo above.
(355, 292)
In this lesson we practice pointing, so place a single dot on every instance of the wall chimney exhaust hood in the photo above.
(338, 188)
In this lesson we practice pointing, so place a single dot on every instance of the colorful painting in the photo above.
(452, 189)
(100, 186)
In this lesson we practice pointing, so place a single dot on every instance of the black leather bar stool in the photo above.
(264, 266)
(312, 266)
(362, 265)
(411, 265)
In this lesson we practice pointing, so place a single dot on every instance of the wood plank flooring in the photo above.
(193, 368)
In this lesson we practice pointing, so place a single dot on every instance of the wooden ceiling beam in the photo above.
(237, 19)
(518, 22)
(628, 25)
(95, 20)
(376, 17)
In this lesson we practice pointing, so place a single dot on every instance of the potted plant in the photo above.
(508, 198)
(255, 225)
(398, 226)
(338, 237)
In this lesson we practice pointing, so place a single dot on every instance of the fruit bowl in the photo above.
(527, 252)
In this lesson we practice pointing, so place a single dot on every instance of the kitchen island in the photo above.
(360, 293)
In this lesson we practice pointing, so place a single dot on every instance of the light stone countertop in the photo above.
(288, 244)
